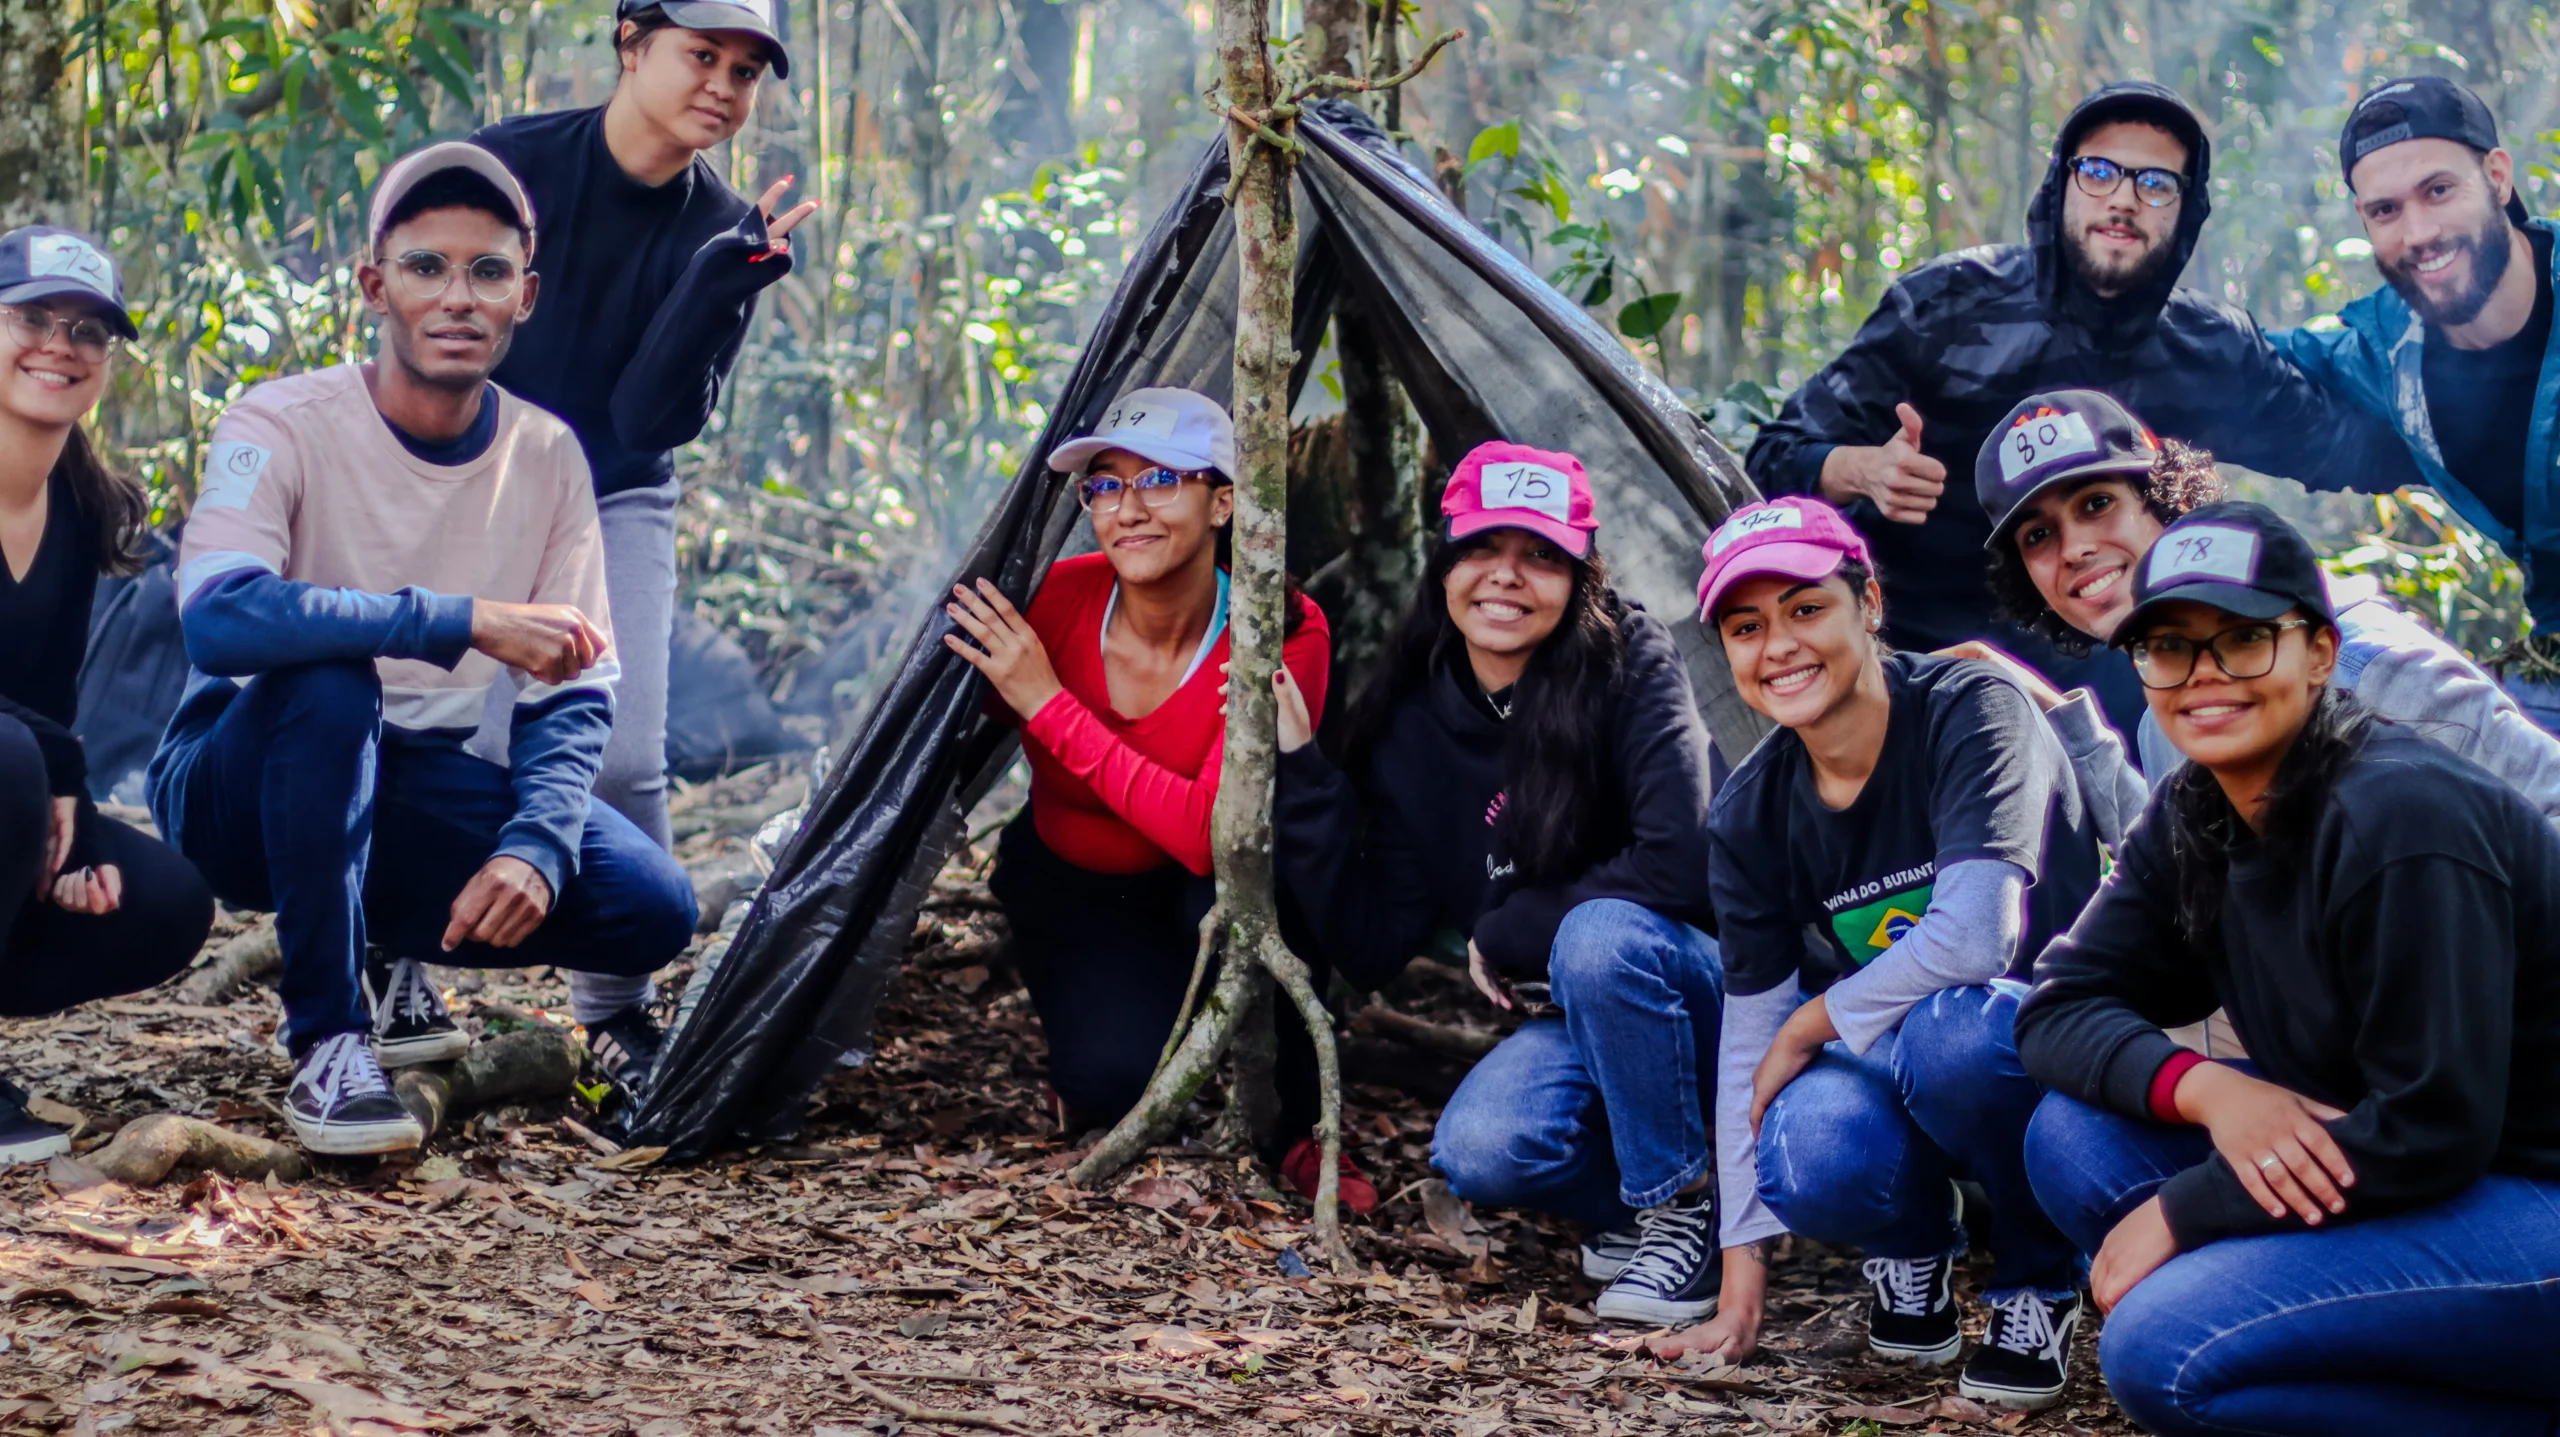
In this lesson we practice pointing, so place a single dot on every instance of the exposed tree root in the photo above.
(246, 958)
(1468, 1043)
(526, 1065)
(146, 1150)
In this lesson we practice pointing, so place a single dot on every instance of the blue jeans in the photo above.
(1610, 1107)
(298, 802)
(2432, 1320)
(1863, 1150)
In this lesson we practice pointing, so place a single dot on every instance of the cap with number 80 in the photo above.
(2063, 436)
(1501, 485)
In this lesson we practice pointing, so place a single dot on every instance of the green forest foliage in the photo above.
(1730, 185)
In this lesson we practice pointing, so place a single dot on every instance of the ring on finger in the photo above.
(2269, 1163)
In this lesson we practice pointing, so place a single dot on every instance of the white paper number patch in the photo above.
(72, 258)
(2208, 550)
(1141, 416)
(231, 474)
(1528, 486)
(2043, 440)
(1754, 521)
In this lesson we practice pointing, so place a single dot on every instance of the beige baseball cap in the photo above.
(415, 167)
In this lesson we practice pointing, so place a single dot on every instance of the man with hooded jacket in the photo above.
(2090, 301)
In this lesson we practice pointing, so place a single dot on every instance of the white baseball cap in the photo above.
(1177, 428)
(416, 166)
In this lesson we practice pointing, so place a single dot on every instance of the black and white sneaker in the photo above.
(342, 1104)
(1675, 1272)
(1607, 1252)
(410, 1022)
(2025, 1358)
(24, 1137)
(1915, 1318)
(626, 1047)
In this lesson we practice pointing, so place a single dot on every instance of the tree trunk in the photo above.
(40, 169)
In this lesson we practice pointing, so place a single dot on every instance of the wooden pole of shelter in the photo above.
(1266, 247)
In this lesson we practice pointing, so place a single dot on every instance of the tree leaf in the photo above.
(1645, 318)
(1502, 139)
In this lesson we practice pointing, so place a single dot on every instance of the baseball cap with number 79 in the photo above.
(1501, 485)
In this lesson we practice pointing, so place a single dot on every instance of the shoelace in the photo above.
(413, 998)
(1907, 1283)
(342, 1067)
(2025, 1325)
(1673, 1239)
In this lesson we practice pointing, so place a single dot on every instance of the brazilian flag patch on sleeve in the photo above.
(1871, 928)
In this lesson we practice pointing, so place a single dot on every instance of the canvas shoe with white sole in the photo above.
(24, 1137)
(1607, 1252)
(1914, 1319)
(1677, 1269)
(2025, 1358)
(411, 1025)
(342, 1104)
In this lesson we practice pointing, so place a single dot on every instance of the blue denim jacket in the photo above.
(2375, 359)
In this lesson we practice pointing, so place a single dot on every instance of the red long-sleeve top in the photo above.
(1122, 795)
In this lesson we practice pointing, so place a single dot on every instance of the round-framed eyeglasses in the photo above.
(88, 336)
(2099, 177)
(2244, 651)
(1105, 493)
(425, 274)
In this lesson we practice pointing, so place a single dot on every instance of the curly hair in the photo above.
(2181, 479)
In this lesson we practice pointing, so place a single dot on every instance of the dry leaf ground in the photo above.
(915, 1251)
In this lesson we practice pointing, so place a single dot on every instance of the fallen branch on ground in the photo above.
(526, 1065)
(1435, 1037)
(246, 958)
(147, 1150)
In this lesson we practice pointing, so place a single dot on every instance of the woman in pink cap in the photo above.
(1527, 773)
(1918, 815)
(1115, 675)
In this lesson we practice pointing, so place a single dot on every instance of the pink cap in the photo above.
(1512, 486)
(1794, 538)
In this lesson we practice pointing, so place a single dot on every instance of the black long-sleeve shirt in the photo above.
(1417, 845)
(2406, 968)
(44, 634)
(646, 294)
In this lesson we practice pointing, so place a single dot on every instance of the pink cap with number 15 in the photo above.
(1512, 486)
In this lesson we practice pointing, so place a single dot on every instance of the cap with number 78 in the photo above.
(2062, 436)
(1501, 485)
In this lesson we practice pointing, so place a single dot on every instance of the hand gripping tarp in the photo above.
(1484, 348)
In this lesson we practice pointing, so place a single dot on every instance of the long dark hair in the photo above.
(1559, 802)
(2203, 825)
(2181, 479)
(115, 506)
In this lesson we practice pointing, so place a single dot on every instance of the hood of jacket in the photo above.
(2127, 318)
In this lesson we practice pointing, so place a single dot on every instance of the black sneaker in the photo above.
(410, 1023)
(1607, 1252)
(2025, 1357)
(1676, 1269)
(342, 1104)
(626, 1047)
(1915, 1318)
(24, 1137)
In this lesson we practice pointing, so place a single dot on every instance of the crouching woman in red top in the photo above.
(1117, 678)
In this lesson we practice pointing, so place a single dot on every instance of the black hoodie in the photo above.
(1966, 336)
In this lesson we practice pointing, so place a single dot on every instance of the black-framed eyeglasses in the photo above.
(1104, 493)
(425, 274)
(35, 328)
(2099, 176)
(2245, 651)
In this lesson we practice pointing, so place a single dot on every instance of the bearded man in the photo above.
(2091, 301)
(2456, 352)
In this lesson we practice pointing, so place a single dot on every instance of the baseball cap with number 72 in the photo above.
(1501, 485)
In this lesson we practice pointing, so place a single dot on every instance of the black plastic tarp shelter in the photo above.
(1484, 348)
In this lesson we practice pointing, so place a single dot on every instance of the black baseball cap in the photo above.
(755, 17)
(2062, 436)
(41, 262)
(2422, 107)
(2239, 557)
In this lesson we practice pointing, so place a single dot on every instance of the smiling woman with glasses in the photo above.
(89, 908)
(1117, 675)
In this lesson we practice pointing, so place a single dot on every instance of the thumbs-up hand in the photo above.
(1903, 483)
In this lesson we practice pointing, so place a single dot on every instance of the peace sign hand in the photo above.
(778, 227)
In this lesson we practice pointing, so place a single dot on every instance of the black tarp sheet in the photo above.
(1485, 350)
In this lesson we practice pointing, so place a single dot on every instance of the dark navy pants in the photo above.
(298, 801)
